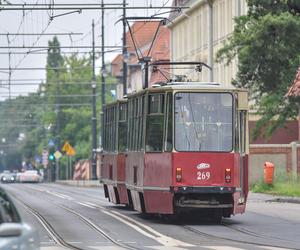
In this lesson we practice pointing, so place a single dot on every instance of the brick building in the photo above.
(143, 33)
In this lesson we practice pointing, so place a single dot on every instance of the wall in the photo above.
(286, 158)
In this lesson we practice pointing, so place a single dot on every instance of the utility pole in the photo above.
(94, 118)
(103, 70)
(57, 111)
(125, 56)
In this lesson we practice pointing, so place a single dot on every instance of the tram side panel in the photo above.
(121, 188)
(109, 176)
(157, 182)
(134, 179)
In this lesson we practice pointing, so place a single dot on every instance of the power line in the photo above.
(96, 7)
(39, 34)
(61, 47)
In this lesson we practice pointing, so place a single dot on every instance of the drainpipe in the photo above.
(210, 40)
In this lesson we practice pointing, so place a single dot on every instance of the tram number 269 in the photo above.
(203, 176)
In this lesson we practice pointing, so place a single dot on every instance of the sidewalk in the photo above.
(272, 198)
(81, 183)
(260, 197)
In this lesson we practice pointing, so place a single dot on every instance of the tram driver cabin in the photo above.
(178, 147)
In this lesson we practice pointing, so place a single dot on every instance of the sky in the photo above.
(39, 22)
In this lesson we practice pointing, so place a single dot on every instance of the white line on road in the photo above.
(84, 204)
(59, 195)
(160, 238)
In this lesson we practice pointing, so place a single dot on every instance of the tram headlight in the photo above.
(178, 174)
(227, 175)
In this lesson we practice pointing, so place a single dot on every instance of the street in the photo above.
(81, 218)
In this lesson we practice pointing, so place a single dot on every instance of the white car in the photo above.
(29, 176)
(14, 234)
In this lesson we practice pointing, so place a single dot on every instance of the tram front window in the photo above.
(204, 122)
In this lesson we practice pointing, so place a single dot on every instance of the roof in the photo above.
(295, 88)
(116, 66)
(143, 33)
(189, 86)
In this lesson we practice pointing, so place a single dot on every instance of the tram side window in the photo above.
(122, 127)
(135, 118)
(130, 126)
(169, 124)
(155, 123)
(110, 129)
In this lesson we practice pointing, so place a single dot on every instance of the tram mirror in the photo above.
(243, 100)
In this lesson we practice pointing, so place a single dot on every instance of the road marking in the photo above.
(106, 248)
(92, 204)
(53, 248)
(140, 227)
(166, 248)
(59, 195)
(160, 238)
(223, 248)
(85, 205)
(273, 248)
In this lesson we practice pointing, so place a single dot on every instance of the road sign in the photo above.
(71, 152)
(45, 158)
(57, 155)
(51, 143)
(68, 149)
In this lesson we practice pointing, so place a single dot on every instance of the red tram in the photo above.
(178, 147)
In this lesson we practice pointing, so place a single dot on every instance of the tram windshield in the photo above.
(204, 122)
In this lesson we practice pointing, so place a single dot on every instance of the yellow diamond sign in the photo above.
(57, 155)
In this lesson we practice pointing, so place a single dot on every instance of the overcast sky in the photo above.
(38, 21)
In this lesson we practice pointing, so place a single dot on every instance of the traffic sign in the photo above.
(57, 154)
(51, 143)
(45, 158)
(68, 149)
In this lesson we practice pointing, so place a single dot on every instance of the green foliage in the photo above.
(286, 187)
(266, 42)
(61, 111)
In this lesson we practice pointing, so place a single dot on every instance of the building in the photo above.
(143, 34)
(198, 33)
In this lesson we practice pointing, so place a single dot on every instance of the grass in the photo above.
(282, 185)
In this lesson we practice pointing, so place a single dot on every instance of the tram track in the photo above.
(98, 229)
(244, 231)
(58, 239)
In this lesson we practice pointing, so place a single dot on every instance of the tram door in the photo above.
(242, 125)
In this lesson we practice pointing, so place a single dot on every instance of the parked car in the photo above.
(29, 176)
(7, 177)
(15, 234)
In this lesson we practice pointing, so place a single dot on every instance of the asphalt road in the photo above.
(81, 218)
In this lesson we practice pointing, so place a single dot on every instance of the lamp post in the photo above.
(94, 118)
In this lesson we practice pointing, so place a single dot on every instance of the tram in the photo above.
(178, 147)
(114, 124)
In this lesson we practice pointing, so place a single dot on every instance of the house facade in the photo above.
(198, 33)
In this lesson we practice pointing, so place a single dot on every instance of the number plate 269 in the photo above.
(203, 176)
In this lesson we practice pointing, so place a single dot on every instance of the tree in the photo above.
(267, 42)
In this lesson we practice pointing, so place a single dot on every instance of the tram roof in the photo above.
(186, 86)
